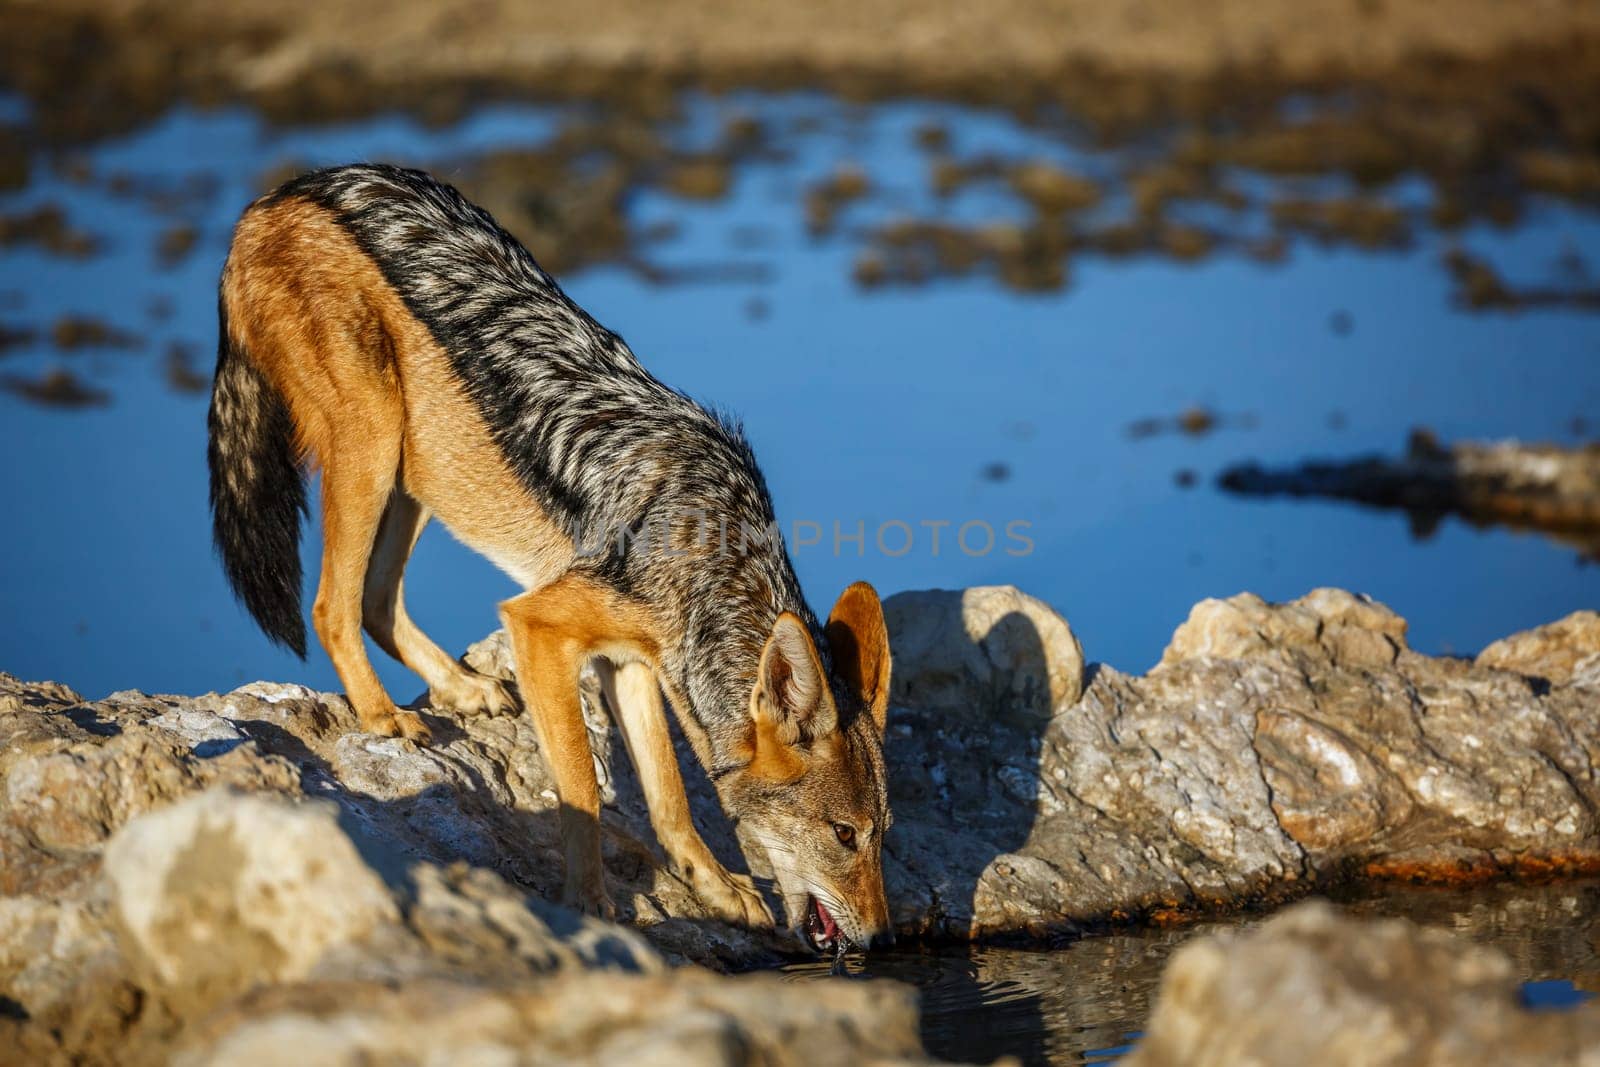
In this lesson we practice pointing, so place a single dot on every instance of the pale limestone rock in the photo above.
(1312, 986)
(688, 1018)
(1272, 746)
(226, 890)
(1350, 629)
(1563, 652)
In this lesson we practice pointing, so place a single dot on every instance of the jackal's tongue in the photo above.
(830, 929)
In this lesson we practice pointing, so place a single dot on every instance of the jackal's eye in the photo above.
(845, 834)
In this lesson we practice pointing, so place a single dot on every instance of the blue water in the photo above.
(864, 406)
(1553, 994)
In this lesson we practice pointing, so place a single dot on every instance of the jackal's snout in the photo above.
(829, 921)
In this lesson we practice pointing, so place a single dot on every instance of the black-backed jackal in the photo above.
(376, 325)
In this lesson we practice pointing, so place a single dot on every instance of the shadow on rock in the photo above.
(978, 674)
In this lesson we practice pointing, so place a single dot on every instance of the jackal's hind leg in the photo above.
(383, 611)
(356, 483)
(632, 692)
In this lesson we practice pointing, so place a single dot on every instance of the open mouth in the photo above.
(821, 932)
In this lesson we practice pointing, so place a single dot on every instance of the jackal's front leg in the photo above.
(551, 631)
(634, 696)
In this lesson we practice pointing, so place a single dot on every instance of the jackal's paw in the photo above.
(406, 724)
(473, 694)
(731, 897)
(591, 902)
(412, 728)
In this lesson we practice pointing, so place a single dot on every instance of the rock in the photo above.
(1352, 630)
(1311, 986)
(1272, 749)
(989, 650)
(1563, 652)
(74, 772)
(1052, 190)
(687, 1018)
(703, 178)
(228, 891)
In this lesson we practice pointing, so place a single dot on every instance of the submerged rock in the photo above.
(1312, 986)
(1273, 747)
(1548, 488)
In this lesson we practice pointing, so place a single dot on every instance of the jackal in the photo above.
(376, 325)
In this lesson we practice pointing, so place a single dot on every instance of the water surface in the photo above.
(1087, 1002)
(960, 399)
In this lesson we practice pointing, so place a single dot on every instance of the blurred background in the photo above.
(1212, 297)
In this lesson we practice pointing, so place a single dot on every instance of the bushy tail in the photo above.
(258, 492)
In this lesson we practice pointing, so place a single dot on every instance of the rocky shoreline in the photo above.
(162, 857)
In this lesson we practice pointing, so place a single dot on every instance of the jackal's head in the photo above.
(814, 792)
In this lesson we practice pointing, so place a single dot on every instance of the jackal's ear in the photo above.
(790, 691)
(858, 640)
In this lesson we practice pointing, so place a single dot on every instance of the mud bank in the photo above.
(1119, 60)
(1488, 100)
(1272, 749)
